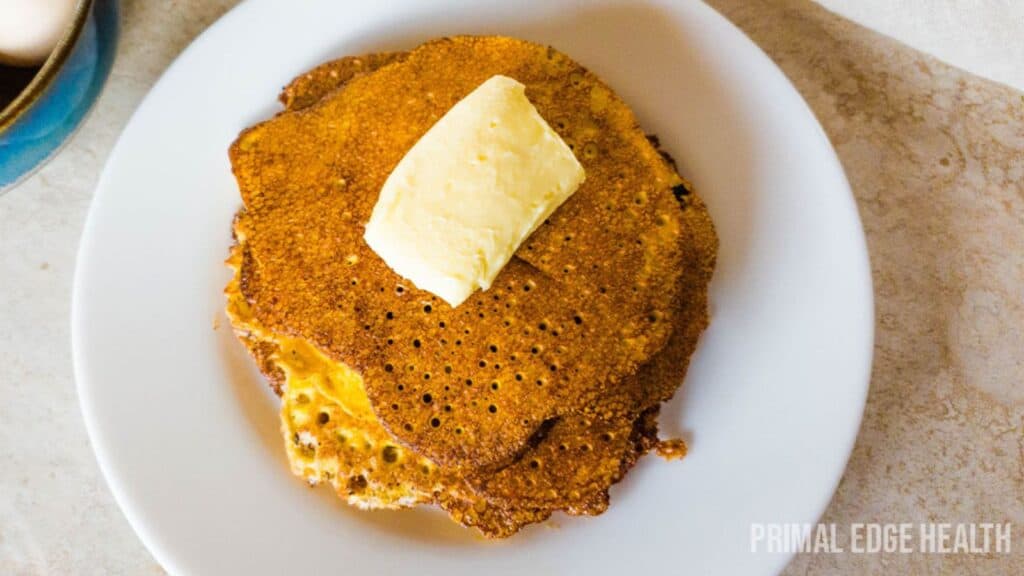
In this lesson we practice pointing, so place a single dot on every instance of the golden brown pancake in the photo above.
(569, 462)
(312, 86)
(699, 243)
(588, 299)
(331, 436)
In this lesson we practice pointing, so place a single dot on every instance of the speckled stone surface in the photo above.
(936, 160)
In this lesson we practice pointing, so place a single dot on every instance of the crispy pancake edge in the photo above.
(668, 365)
(482, 451)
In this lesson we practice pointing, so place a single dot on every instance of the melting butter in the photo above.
(470, 191)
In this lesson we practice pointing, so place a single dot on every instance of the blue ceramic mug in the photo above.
(55, 99)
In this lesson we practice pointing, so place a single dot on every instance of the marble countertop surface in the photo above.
(935, 157)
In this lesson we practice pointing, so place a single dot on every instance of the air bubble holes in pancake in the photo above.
(407, 304)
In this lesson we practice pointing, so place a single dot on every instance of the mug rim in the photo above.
(49, 70)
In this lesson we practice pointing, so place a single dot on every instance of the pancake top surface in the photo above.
(589, 297)
(569, 468)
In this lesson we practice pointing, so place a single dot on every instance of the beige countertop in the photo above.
(936, 160)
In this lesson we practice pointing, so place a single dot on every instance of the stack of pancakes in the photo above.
(533, 396)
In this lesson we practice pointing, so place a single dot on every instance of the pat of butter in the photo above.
(466, 195)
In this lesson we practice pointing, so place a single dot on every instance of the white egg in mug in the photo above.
(30, 29)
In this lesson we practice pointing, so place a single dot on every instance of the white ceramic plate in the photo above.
(187, 433)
